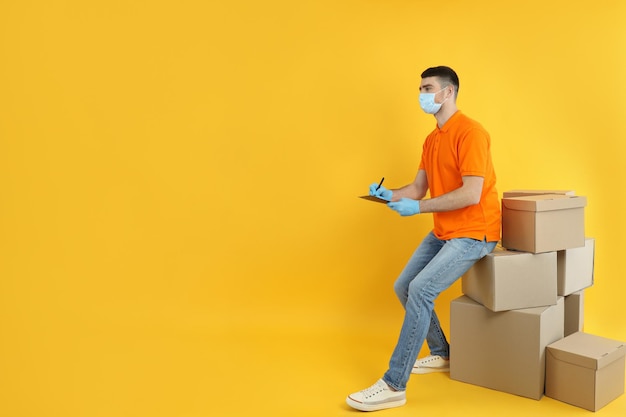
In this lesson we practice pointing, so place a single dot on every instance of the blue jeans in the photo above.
(435, 266)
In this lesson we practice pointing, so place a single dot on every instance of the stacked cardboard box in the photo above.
(526, 299)
(503, 350)
(585, 370)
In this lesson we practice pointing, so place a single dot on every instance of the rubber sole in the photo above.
(374, 407)
(422, 371)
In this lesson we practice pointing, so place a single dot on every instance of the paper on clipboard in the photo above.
(374, 199)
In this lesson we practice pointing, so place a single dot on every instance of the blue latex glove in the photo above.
(405, 206)
(382, 192)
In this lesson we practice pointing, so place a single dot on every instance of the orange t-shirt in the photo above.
(462, 147)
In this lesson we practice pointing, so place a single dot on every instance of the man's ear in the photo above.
(451, 86)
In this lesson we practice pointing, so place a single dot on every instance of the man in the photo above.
(457, 170)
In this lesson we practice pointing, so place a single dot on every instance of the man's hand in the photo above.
(405, 206)
(380, 192)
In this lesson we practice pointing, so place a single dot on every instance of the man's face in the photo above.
(431, 85)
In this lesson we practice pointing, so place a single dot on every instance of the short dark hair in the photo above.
(446, 76)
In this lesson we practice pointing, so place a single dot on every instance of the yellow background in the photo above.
(179, 228)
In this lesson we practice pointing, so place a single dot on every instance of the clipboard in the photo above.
(374, 199)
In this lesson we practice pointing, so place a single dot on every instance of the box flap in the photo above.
(544, 202)
(521, 193)
(586, 350)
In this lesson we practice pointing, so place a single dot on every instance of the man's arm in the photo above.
(415, 191)
(466, 195)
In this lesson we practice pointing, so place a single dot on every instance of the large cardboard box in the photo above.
(508, 280)
(543, 223)
(574, 313)
(524, 193)
(504, 351)
(585, 370)
(575, 268)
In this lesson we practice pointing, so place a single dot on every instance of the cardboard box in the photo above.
(543, 223)
(504, 351)
(575, 268)
(508, 280)
(585, 370)
(574, 313)
(525, 193)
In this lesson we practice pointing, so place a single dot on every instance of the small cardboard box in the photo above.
(525, 193)
(543, 223)
(508, 280)
(574, 313)
(585, 370)
(504, 351)
(575, 268)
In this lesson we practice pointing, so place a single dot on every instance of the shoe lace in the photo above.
(373, 390)
(431, 359)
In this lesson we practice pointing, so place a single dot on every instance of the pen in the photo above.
(380, 183)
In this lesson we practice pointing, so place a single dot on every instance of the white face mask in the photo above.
(427, 102)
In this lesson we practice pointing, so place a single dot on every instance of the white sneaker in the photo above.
(377, 397)
(431, 364)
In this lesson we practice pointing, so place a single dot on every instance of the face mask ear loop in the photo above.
(437, 92)
(445, 99)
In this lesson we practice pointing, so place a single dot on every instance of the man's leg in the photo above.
(436, 338)
(450, 262)
(453, 260)
(430, 246)
(424, 253)
(380, 396)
